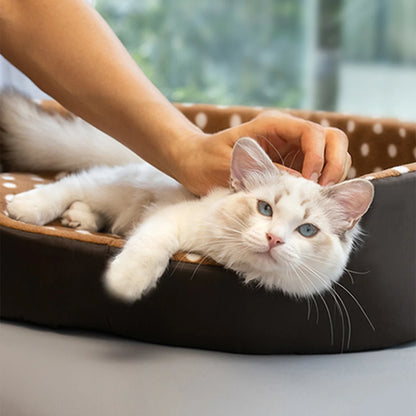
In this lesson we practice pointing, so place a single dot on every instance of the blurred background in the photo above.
(335, 55)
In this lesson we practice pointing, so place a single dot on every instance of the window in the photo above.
(334, 55)
(318, 54)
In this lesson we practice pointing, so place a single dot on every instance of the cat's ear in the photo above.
(353, 198)
(250, 165)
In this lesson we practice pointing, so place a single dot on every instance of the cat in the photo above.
(281, 231)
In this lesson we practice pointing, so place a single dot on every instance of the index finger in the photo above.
(308, 136)
(312, 144)
(336, 155)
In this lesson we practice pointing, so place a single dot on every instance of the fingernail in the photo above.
(314, 177)
(330, 183)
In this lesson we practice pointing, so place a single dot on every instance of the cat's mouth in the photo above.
(267, 257)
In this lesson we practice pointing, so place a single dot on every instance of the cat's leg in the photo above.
(98, 194)
(79, 215)
(40, 205)
(145, 256)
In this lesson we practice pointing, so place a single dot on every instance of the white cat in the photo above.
(282, 231)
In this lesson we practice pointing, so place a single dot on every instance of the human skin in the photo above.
(71, 53)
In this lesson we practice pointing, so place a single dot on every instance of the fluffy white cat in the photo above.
(281, 231)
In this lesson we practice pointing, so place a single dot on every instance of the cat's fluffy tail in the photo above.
(34, 139)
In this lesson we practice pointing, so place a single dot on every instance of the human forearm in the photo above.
(76, 58)
(71, 53)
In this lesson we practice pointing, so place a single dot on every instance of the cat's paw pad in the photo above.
(126, 282)
(79, 215)
(29, 207)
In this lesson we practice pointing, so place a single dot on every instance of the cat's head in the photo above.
(283, 231)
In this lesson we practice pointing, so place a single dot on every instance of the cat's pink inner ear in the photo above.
(353, 197)
(249, 164)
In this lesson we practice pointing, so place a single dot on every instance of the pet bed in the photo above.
(52, 275)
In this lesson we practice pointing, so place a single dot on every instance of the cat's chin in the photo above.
(289, 286)
(273, 274)
(267, 262)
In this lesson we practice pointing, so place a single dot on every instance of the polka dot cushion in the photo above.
(51, 275)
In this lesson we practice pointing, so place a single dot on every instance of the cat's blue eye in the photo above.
(308, 230)
(264, 208)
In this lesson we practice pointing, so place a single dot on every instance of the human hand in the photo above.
(299, 146)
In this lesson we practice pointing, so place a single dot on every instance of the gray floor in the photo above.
(46, 373)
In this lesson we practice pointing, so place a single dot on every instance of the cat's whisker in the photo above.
(358, 304)
(339, 303)
(294, 159)
(356, 272)
(198, 266)
(295, 273)
(318, 259)
(350, 276)
(178, 262)
(316, 307)
(273, 147)
(319, 278)
(224, 227)
(308, 317)
(351, 272)
(296, 154)
(331, 324)
(233, 219)
(354, 299)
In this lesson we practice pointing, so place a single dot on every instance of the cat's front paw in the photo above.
(128, 281)
(30, 208)
(79, 215)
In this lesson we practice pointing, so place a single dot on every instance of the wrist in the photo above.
(183, 154)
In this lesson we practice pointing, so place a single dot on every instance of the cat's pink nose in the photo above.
(273, 240)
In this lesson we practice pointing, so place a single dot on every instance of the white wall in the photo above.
(378, 90)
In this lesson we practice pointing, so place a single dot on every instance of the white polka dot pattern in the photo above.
(401, 169)
(350, 126)
(235, 120)
(83, 232)
(324, 123)
(392, 150)
(378, 128)
(9, 185)
(352, 173)
(61, 175)
(37, 178)
(365, 149)
(193, 257)
(201, 120)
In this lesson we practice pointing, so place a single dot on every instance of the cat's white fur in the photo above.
(160, 217)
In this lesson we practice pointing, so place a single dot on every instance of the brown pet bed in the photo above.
(51, 275)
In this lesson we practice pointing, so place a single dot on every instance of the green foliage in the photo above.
(224, 52)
